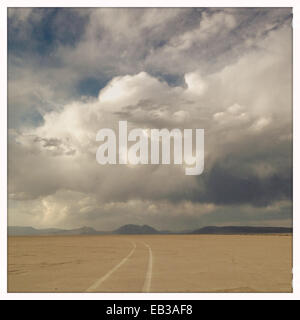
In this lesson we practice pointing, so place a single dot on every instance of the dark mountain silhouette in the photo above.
(135, 229)
(242, 230)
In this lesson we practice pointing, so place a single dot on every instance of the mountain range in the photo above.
(145, 229)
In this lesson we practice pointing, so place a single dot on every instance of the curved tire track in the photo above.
(148, 279)
(97, 284)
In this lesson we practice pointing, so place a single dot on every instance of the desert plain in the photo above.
(150, 263)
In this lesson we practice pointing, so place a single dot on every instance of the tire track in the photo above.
(148, 279)
(94, 286)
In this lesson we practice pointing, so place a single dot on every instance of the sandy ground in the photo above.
(164, 263)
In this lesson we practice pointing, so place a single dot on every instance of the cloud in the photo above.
(235, 82)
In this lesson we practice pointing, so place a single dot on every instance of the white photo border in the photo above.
(295, 4)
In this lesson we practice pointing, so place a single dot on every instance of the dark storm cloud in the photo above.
(223, 186)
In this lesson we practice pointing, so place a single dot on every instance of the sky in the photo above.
(74, 71)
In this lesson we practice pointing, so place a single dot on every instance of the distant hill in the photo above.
(242, 230)
(135, 229)
(83, 230)
(145, 229)
(20, 231)
(127, 229)
(29, 231)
